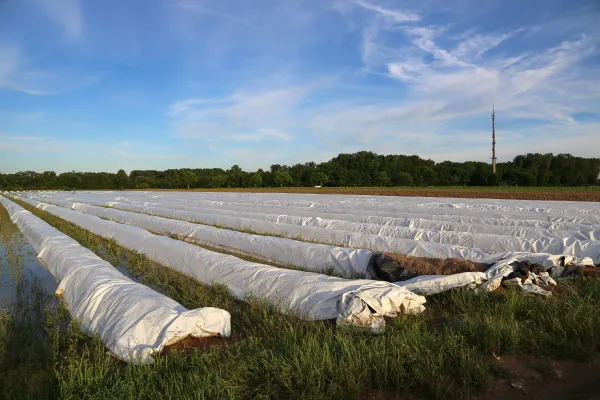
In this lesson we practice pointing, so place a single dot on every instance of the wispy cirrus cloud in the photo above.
(449, 78)
(200, 8)
(287, 81)
(32, 143)
(67, 14)
(394, 15)
(17, 74)
(244, 116)
(139, 156)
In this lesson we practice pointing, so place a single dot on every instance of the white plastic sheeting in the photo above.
(347, 262)
(307, 295)
(537, 243)
(489, 280)
(372, 242)
(572, 245)
(427, 285)
(568, 245)
(132, 320)
(563, 212)
(475, 222)
(585, 213)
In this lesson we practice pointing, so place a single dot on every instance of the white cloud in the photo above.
(17, 74)
(198, 7)
(394, 15)
(127, 154)
(32, 143)
(67, 14)
(243, 116)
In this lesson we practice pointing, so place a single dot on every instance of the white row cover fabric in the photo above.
(581, 213)
(304, 294)
(132, 320)
(480, 223)
(366, 202)
(567, 245)
(346, 262)
(552, 245)
(371, 242)
(427, 285)
(476, 222)
(313, 200)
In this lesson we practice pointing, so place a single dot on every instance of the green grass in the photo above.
(445, 352)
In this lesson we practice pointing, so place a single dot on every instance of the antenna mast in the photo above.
(493, 139)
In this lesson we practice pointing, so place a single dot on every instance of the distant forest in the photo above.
(358, 169)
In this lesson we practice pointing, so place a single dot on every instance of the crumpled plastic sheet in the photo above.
(497, 273)
(490, 280)
(132, 320)
(307, 295)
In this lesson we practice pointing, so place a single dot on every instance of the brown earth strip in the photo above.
(190, 344)
(530, 377)
(436, 266)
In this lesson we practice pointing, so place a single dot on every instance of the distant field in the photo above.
(520, 193)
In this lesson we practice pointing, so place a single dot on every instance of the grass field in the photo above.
(459, 348)
(591, 193)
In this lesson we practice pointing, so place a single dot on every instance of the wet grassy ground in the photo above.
(447, 352)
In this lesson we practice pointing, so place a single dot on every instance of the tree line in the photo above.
(357, 169)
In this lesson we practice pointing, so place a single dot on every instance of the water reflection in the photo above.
(23, 278)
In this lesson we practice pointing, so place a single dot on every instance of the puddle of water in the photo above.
(23, 279)
(32, 323)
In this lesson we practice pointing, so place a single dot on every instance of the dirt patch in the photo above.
(436, 266)
(529, 377)
(592, 272)
(190, 344)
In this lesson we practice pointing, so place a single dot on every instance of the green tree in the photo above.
(188, 178)
(256, 180)
(382, 178)
(283, 178)
(121, 179)
(320, 178)
(234, 176)
(218, 180)
(404, 179)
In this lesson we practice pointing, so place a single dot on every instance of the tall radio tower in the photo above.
(493, 139)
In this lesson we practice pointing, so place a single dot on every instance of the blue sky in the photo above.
(155, 84)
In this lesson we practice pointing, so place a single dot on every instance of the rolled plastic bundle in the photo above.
(427, 285)
(132, 320)
(307, 295)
